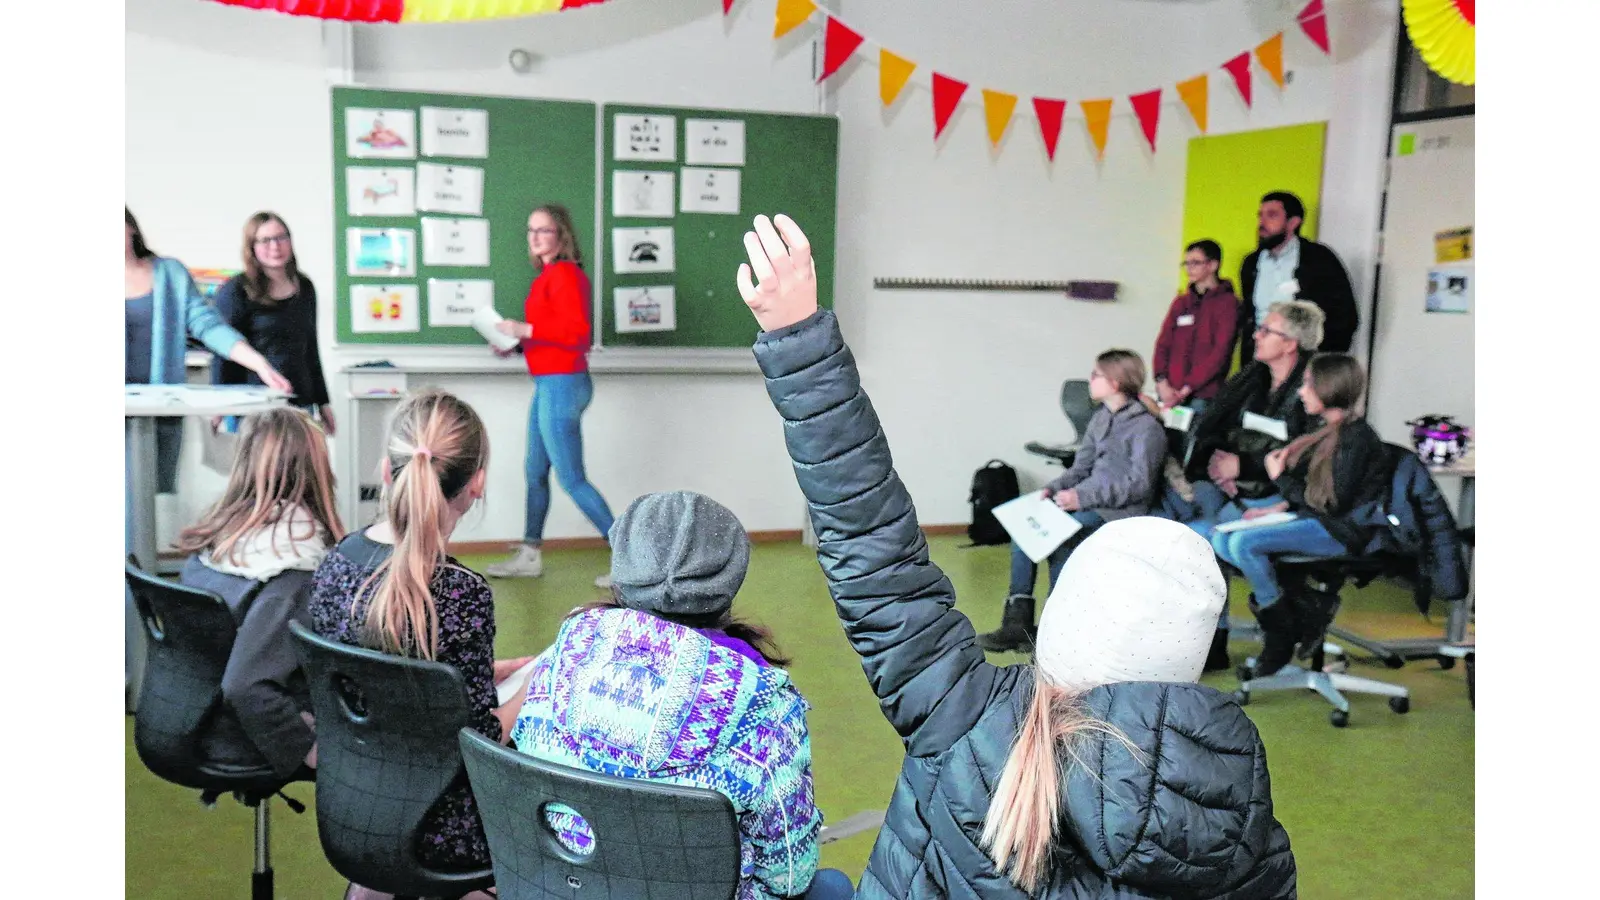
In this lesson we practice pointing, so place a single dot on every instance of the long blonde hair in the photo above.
(281, 463)
(1019, 830)
(436, 445)
(1338, 382)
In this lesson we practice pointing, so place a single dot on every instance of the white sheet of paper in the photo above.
(455, 242)
(641, 194)
(450, 189)
(642, 250)
(1038, 525)
(645, 137)
(1269, 427)
(651, 308)
(447, 131)
(1276, 518)
(452, 303)
(515, 683)
(713, 142)
(1178, 418)
(376, 308)
(711, 190)
(484, 322)
(381, 252)
(380, 133)
(371, 191)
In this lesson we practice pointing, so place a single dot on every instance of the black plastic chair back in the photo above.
(386, 752)
(191, 634)
(652, 841)
(1077, 405)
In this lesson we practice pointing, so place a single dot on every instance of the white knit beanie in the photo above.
(1138, 600)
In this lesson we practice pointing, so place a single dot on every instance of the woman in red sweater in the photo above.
(555, 342)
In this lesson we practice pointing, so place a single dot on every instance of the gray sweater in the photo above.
(1117, 469)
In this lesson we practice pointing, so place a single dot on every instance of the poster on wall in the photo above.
(381, 252)
(711, 190)
(653, 138)
(450, 189)
(453, 303)
(455, 242)
(371, 191)
(208, 280)
(641, 194)
(380, 308)
(1450, 289)
(380, 133)
(651, 308)
(455, 132)
(1454, 245)
(713, 142)
(642, 250)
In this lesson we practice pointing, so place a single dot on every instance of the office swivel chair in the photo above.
(1078, 408)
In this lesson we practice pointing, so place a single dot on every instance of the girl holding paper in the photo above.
(1114, 475)
(555, 342)
(1323, 478)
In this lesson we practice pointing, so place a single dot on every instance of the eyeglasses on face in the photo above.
(1194, 263)
(280, 239)
(534, 231)
(1262, 329)
(1098, 374)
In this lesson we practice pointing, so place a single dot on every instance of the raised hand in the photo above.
(785, 287)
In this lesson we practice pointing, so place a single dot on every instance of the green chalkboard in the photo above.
(537, 151)
(790, 165)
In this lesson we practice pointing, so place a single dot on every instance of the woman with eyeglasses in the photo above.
(274, 305)
(555, 342)
(1116, 474)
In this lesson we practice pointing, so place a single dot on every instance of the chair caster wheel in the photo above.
(1245, 672)
(1243, 697)
(1339, 718)
(1394, 662)
(1446, 663)
(1401, 705)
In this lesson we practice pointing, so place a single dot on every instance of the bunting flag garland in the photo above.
(838, 43)
(1050, 113)
(416, 10)
(791, 14)
(997, 110)
(1097, 116)
(1270, 55)
(946, 94)
(1314, 22)
(727, 6)
(1147, 108)
(1194, 95)
(1239, 68)
(893, 73)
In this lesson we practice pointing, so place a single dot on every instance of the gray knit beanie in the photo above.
(678, 553)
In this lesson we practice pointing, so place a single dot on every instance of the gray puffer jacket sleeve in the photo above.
(919, 654)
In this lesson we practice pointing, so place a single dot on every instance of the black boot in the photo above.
(1278, 633)
(1016, 631)
(1217, 660)
(1315, 610)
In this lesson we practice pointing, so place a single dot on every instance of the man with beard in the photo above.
(1286, 266)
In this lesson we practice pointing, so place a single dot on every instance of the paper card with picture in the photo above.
(645, 137)
(711, 190)
(642, 250)
(651, 308)
(373, 191)
(381, 252)
(380, 308)
(455, 132)
(641, 194)
(380, 133)
(713, 142)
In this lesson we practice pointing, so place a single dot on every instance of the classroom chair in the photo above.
(1078, 408)
(386, 752)
(652, 841)
(191, 635)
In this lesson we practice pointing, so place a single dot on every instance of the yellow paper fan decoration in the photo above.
(1445, 33)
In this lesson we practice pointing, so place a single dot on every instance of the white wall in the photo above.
(957, 377)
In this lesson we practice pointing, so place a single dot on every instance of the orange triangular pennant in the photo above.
(997, 110)
(1097, 115)
(790, 14)
(1270, 53)
(1193, 92)
(894, 71)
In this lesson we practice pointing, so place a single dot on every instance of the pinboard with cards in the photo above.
(431, 199)
(681, 187)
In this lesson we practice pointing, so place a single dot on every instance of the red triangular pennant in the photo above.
(1049, 113)
(838, 44)
(946, 94)
(1239, 68)
(1147, 107)
(1314, 22)
(727, 6)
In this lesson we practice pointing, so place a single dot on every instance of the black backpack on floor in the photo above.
(992, 485)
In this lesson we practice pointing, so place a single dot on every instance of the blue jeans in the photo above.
(1210, 508)
(1023, 571)
(830, 884)
(555, 438)
(1253, 548)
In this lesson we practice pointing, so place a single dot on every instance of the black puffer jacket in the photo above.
(1221, 426)
(1413, 520)
(1196, 823)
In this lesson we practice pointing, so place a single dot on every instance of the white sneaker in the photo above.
(527, 562)
(603, 582)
